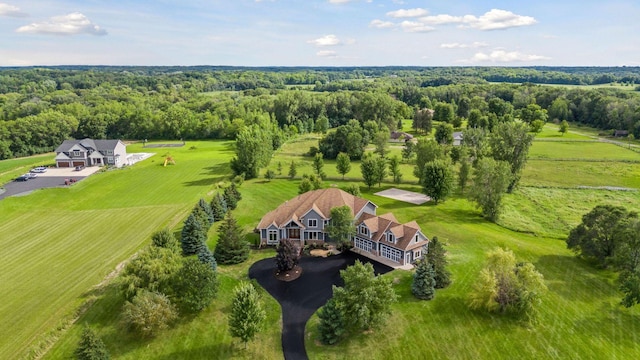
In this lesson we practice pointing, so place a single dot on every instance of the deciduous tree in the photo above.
(149, 313)
(194, 286)
(343, 164)
(394, 169)
(341, 228)
(490, 181)
(510, 142)
(437, 180)
(165, 239)
(287, 255)
(247, 313)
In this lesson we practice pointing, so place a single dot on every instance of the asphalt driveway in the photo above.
(301, 298)
(25, 187)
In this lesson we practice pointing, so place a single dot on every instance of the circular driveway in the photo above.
(301, 298)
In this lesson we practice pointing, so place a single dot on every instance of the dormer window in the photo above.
(364, 230)
(312, 223)
(391, 238)
(76, 152)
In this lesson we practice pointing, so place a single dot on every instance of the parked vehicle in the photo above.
(39, 169)
(78, 168)
(31, 175)
(24, 177)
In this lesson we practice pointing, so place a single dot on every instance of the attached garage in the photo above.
(64, 164)
(390, 253)
(78, 163)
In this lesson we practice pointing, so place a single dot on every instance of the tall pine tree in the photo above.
(423, 285)
(218, 207)
(193, 236)
(437, 257)
(206, 256)
(207, 210)
(91, 347)
(231, 247)
(232, 196)
(331, 326)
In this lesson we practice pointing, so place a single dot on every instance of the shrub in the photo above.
(148, 313)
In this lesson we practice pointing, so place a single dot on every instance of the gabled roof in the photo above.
(100, 145)
(404, 233)
(457, 135)
(322, 201)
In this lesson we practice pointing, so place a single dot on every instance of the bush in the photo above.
(148, 313)
(287, 256)
(194, 286)
(91, 347)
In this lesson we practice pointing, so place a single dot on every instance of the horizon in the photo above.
(319, 33)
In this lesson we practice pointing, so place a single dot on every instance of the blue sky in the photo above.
(320, 32)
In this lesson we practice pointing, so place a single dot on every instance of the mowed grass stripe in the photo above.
(63, 261)
(581, 151)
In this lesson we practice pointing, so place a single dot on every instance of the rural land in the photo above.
(530, 178)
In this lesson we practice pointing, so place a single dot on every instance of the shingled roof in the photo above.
(321, 201)
(404, 233)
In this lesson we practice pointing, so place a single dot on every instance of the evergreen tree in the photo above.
(91, 347)
(231, 247)
(269, 175)
(231, 196)
(193, 236)
(207, 210)
(423, 285)
(202, 218)
(331, 326)
(287, 255)
(206, 257)
(247, 313)
(292, 170)
(305, 186)
(194, 286)
(218, 207)
(165, 239)
(436, 256)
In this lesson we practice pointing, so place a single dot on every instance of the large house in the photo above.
(89, 152)
(305, 217)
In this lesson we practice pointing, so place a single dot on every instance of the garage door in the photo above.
(78, 163)
(63, 164)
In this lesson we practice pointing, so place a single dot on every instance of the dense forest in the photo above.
(40, 107)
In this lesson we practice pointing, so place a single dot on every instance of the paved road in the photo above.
(301, 298)
(19, 187)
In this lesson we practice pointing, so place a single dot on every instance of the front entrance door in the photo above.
(408, 258)
(293, 233)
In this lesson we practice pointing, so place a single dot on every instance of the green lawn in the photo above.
(551, 131)
(578, 150)
(12, 168)
(580, 317)
(58, 243)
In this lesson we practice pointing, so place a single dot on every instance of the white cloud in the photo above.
(414, 26)
(327, 40)
(405, 13)
(339, 1)
(327, 53)
(455, 45)
(441, 19)
(381, 24)
(70, 24)
(10, 10)
(504, 56)
(496, 19)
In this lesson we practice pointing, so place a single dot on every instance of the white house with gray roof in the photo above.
(89, 152)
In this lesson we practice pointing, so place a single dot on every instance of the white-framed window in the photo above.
(109, 152)
(417, 238)
(314, 235)
(110, 160)
(364, 230)
(391, 237)
(273, 235)
(312, 223)
(76, 152)
(417, 254)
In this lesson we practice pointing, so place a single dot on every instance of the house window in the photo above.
(110, 160)
(273, 235)
(417, 254)
(312, 223)
(314, 235)
(364, 230)
(326, 222)
(109, 152)
(391, 238)
(417, 238)
(76, 152)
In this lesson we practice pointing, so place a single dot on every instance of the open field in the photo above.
(58, 243)
(577, 150)
(580, 317)
(12, 168)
